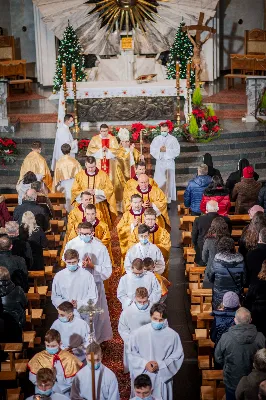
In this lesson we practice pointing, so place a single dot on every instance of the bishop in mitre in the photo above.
(132, 183)
(152, 196)
(37, 164)
(98, 184)
(66, 169)
(63, 135)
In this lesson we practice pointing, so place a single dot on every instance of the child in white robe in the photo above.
(74, 331)
(45, 381)
(143, 388)
(156, 350)
(133, 317)
(106, 385)
(135, 278)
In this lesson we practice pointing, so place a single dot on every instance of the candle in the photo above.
(73, 69)
(188, 74)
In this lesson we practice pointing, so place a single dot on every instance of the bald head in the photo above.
(212, 206)
(262, 390)
(242, 316)
(143, 180)
(30, 195)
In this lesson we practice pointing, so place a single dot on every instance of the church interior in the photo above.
(135, 68)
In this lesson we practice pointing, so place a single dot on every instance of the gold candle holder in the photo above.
(178, 92)
(188, 72)
(76, 127)
(64, 86)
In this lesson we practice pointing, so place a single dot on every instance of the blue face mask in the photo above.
(164, 134)
(52, 350)
(72, 268)
(71, 124)
(144, 240)
(86, 238)
(47, 392)
(158, 325)
(63, 319)
(96, 365)
(144, 398)
(142, 306)
(138, 276)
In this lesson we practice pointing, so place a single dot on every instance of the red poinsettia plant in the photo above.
(169, 124)
(136, 129)
(8, 151)
(83, 145)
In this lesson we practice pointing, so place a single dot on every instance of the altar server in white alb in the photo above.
(143, 388)
(106, 385)
(165, 148)
(135, 278)
(96, 261)
(45, 381)
(156, 350)
(145, 249)
(63, 135)
(133, 317)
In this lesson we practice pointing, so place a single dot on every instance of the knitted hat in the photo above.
(248, 172)
(230, 300)
(253, 210)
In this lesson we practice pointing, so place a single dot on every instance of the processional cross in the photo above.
(197, 43)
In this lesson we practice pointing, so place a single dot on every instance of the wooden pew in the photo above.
(56, 199)
(198, 304)
(50, 257)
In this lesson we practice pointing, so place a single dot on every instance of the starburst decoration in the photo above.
(127, 13)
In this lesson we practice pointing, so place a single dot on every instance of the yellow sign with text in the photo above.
(127, 43)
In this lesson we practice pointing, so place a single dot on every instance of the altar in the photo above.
(123, 101)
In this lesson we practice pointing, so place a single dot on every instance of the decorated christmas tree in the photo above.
(181, 51)
(70, 52)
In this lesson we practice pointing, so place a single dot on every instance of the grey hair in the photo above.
(212, 206)
(28, 197)
(260, 360)
(11, 227)
(203, 169)
(243, 316)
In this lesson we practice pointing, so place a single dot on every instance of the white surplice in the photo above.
(165, 164)
(74, 334)
(129, 283)
(163, 346)
(66, 187)
(102, 270)
(106, 385)
(139, 250)
(63, 135)
(54, 396)
(131, 319)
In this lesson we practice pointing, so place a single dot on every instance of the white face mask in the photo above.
(164, 134)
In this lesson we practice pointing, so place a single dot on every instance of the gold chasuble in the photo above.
(158, 236)
(133, 183)
(35, 163)
(70, 363)
(66, 167)
(155, 196)
(99, 181)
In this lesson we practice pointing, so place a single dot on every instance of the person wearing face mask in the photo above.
(73, 283)
(74, 331)
(133, 317)
(143, 388)
(161, 358)
(165, 148)
(158, 236)
(66, 365)
(63, 135)
(152, 196)
(45, 380)
(106, 385)
(144, 248)
(96, 262)
(135, 278)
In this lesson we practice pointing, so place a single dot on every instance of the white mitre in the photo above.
(123, 134)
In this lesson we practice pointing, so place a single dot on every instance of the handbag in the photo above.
(241, 289)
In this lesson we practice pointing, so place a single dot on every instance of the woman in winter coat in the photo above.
(246, 192)
(256, 301)
(13, 298)
(236, 176)
(207, 159)
(250, 235)
(217, 230)
(216, 191)
(227, 271)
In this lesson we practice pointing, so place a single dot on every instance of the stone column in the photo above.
(3, 107)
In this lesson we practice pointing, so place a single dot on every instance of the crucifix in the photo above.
(197, 44)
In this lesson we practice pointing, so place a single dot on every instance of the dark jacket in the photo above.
(254, 260)
(14, 301)
(22, 249)
(38, 242)
(245, 194)
(213, 171)
(35, 209)
(194, 192)
(208, 253)
(227, 275)
(234, 178)
(17, 269)
(221, 195)
(255, 301)
(200, 228)
(223, 320)
(262, 197)
(4, 213)
(235, 351)
(10, 331)
(248, 387)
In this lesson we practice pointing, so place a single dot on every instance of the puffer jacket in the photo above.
(225, 264)
(245, 194)
(14, 301)
(235, 351)
(221, 195)
(223, 319)
(194, 191)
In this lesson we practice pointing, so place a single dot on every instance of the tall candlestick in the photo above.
(188, 91)
(64, 86)
(178, 92)
(73, 70)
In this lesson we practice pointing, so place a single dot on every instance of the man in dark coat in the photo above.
(235, 350)
(20, 247)
(255, 258)
(248, 387)
(29, 204)
(16, 265)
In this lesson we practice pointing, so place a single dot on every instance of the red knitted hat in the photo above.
(248, 172)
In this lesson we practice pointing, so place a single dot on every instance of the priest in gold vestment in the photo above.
(132, 183)
(98, 184)
(36, 163)
(152, 196)
(158, 236)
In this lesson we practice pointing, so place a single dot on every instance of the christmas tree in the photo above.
(70, 52)
(181, 51)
